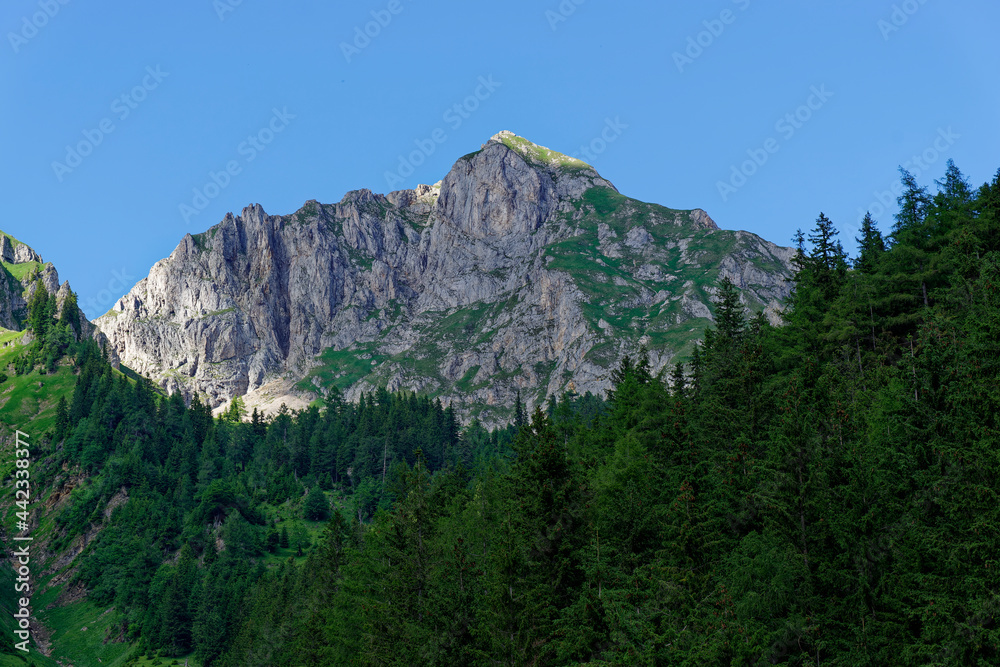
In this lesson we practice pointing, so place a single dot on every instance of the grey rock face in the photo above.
(16, 252)
(522, 270)
(702, 220)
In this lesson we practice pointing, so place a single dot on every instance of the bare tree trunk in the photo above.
(871, 312)
(802, 513)
(385, 452)
(861, 368)
(599, 588)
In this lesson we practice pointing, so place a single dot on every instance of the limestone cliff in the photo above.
(523, 269)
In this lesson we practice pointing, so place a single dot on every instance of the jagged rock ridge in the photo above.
(23, 268)
(523, 269)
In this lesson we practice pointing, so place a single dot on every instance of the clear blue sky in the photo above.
(201, 77)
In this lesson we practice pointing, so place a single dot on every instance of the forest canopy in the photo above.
(820, 492)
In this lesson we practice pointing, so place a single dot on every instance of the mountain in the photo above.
(382, 532)
(23, 268)
(522, 270)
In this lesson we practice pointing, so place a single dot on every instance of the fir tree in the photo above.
(678, 382)
(316, 506)
(70, 315)
(729, 319)
(62, 419)
(913, 205)
(871, 246)
(520, 416)
(236, 411)
(39, 311)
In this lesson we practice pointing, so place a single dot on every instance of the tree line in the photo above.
(821, 492)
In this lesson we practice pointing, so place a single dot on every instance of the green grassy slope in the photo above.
(78, 631)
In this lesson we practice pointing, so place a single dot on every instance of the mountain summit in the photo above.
(522, 270)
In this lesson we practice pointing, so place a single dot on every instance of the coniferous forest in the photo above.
(824, 492)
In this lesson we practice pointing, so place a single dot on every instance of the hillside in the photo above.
(522, 270)
(823, 491)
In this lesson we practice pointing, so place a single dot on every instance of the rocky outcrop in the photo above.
(13, 251)
(23, 268)
(522, 269)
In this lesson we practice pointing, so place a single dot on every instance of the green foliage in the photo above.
(235, 412)
(605, 200)
(871, 245)
(825, 492)
(179, 509)
(22, 270)
(70, 315)
(51, 338)
(819, 493)
(316, 506)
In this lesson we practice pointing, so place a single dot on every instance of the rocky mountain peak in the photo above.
(521, 270)
(495, 193)
(503, 134)
(559, 164)
(702, 220)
